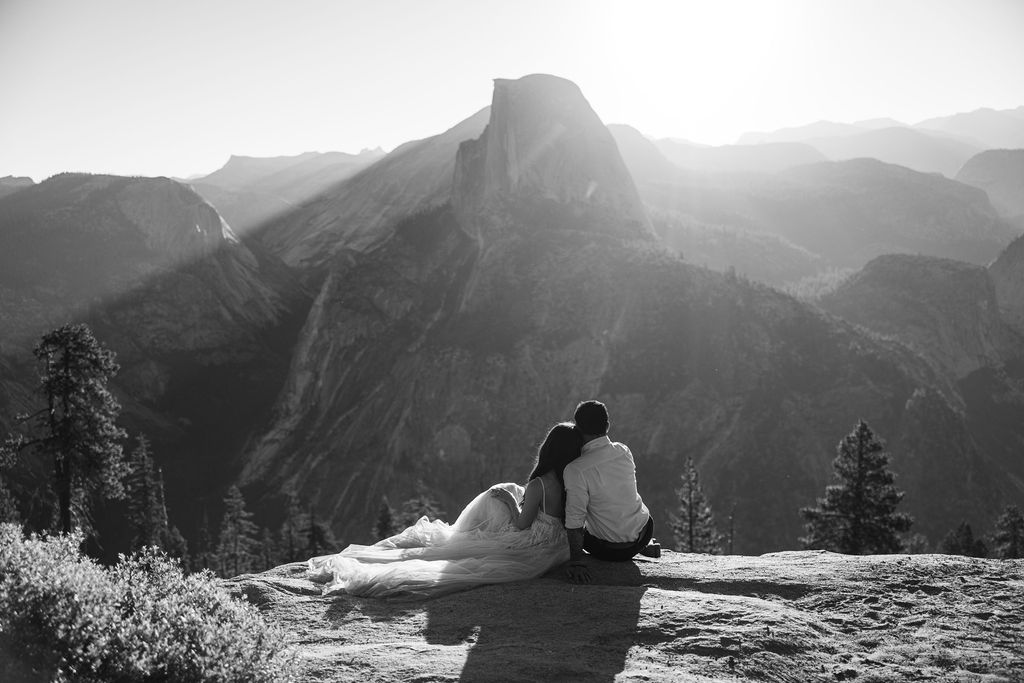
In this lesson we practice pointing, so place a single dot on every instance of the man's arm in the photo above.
(577, 569)
(575, 544)
(576, 497)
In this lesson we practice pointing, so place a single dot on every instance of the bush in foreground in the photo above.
(63, 617)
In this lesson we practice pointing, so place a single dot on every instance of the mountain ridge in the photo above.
(435, 360)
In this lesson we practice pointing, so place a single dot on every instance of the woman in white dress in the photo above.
(506, 533)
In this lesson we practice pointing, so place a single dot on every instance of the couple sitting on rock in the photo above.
(580, 501)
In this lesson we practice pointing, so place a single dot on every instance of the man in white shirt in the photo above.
(604, 514)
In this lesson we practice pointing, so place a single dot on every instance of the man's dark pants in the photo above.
(618, 552)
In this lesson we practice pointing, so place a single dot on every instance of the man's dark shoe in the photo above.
(653, 549)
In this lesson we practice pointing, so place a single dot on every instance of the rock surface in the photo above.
(1008, 275)
(362, 211)
(544, 146)
(1000, 173)
(792, 616)
(945, 309)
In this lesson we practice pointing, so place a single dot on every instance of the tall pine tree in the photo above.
(319, 537)
(237, 543)
(205, 555)
(76, 430)
(8, 503)
(694, 526)
(1008, 537)
(292, 535)
(145, 501)
(858, 514)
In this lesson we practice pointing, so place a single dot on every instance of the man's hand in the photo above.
(577, 569)
(578, 572)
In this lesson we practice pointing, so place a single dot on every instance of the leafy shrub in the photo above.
(66, 618)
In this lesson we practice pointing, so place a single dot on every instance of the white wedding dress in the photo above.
(432, 558)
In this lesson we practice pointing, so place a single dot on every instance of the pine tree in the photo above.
(731, 535)
(694, 526)
(76, 429)
(204, 557)
(319, 538)
(237, 544)
(145, 498)
(961, 541)
(858, 515)
(1008, 537)
(8, 503)
(268, 549)
(385, 525)
(177, 546)
(292, 535)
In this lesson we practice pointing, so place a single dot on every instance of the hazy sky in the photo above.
(161, 87)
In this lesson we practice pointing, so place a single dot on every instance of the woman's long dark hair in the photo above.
(561, 446)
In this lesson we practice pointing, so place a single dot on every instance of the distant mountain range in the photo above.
(201, 322)
(939, 145)
(249, 192)
(415, 322)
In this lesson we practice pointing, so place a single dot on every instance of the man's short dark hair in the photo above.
(591, 418)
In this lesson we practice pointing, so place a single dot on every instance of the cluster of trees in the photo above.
(75, 433)
(75, 437)
(857, 514)
(241, 546)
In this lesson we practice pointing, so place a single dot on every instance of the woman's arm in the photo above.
(531, 504)
(508, 498)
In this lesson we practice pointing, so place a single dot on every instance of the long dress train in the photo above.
(432, 558)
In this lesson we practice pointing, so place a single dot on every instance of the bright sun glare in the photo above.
(696, 67)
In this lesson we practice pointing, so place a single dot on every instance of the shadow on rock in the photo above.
(547, 629)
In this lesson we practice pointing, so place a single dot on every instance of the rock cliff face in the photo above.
(1008, 274)
(945, 309)
(362, 211)
(251, 191)
(199, 320)
(545, 147)
(439, 359)
(81, 242)
(1000, 173)
(796, 616)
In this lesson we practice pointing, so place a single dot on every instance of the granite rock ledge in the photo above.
(789, 616)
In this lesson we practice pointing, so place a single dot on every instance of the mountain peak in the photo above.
(544, 145)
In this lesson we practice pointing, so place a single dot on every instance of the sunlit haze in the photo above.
(144, 88)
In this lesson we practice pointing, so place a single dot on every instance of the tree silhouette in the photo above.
(694, 526)
(76, 428)
(147, 506)
(237, 544)
(1008, 537)
(961, 541)
(858, 515)
(385, 525)
(319, 538)
(292, 535)
(205, 556)
(146, 510)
